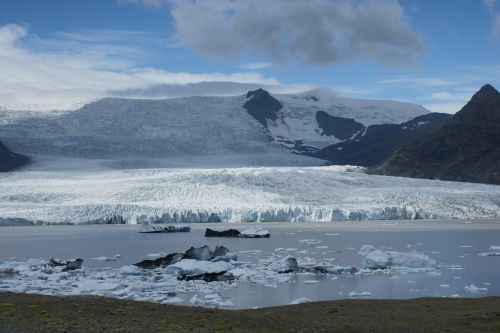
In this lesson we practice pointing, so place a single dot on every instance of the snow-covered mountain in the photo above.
(319, 118)
(257, 124)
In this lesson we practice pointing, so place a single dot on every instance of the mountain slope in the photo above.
(465, 148)
(257, 124)
(9, 160)
(380, 141)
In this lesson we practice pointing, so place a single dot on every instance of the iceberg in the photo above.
(374, 259)
(198, 267)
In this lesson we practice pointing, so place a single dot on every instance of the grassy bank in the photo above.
(35, 313)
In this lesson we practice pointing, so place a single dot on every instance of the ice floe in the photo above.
(354, 294)
(374, 258)
(301, 300)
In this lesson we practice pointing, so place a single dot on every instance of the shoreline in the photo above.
(38, 313)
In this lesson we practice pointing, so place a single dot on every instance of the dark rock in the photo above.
(262, 106)
(339, 127)
(10, 161)
(226, 233)
(465, 148)
(380, 141)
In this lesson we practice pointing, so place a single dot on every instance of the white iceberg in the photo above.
(301, 300)
(198, 267)
(354, 294)
(378, 259)
(255, 232)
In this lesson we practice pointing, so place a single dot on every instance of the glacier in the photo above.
(92, 195)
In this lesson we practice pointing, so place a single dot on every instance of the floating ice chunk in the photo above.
(354, 294)
(495, 247)
(378, 259)
(489, 254)
(197, 267)
(104, 258)
(131, 270)
(155, 255)
(310, 242)
(255, 232)
(199, 253)
(226, 257)
(444, 285)
(286, 265)
(472, 289)
(311, 281)
(196, 300)
(301, 300)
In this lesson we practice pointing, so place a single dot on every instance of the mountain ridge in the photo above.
(465, 148)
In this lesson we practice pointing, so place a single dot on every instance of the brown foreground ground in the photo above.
(33, 313)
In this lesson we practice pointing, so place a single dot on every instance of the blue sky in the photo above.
(58, 53)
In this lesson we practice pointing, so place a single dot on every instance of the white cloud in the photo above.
(420, 81)
(318, 32)
(52, 77)
(444, 107)
(493, 8)
(256, 65)
(495, 31)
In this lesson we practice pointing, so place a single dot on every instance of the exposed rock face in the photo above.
(341, 128)
(10, 161)
(466, 148)
(262, 106)
(380, 141)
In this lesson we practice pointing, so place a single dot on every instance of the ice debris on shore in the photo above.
(472, 289)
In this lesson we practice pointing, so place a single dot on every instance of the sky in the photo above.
(59, 54)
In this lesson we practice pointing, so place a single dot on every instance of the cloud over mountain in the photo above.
(317, 32)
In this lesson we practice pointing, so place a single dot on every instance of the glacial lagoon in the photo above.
(458, 247)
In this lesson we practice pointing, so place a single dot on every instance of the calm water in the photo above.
(454, 244)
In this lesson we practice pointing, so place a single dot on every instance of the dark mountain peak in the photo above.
(262, 106)
(259, 93)
(485, 94)
(10, 161)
